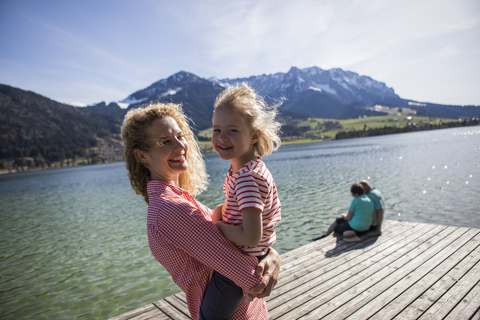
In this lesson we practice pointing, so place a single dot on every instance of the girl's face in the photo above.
(233, 138)
(167, 157)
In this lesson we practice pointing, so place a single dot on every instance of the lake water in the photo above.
(73, 241)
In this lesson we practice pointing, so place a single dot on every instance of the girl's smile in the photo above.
(232, 137)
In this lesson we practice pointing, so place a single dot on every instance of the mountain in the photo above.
(112, 109)
(194, 93)
(311, 91)
(38, 132)
(320, 93)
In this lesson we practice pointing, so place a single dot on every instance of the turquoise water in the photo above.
(73, 241)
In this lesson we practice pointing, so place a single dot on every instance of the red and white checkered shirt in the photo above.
(252, 186)
(183, 238)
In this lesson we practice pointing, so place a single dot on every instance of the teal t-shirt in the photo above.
(377, 198)
(363, 209)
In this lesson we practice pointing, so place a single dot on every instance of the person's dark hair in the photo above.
(357, 188)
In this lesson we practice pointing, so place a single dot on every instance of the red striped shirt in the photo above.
(183, 238)
(253, 187)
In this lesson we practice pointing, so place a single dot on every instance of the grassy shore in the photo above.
(311, 129)
(317, 129)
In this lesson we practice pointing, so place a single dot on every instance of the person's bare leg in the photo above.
(329, 231)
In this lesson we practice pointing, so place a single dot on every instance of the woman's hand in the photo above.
(269, 268)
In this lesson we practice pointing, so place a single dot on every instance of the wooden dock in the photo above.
(412, 271)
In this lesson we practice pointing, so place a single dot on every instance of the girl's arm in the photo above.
(247, 234)
(217, 213)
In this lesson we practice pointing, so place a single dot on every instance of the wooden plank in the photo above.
(312, 262)
(348, 274)
(182, 296)
(173, 307)
(291, 258)
(414, 270)
(397, 275)
(442, 285)
(450, 299)
(467, 306)
(299, 256)
(357, 289)
(337, 266)
(178, 303)
(342, 264)
(143, 313)
(476, 316)
(424, 277)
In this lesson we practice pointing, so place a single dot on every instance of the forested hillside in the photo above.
(38, 132)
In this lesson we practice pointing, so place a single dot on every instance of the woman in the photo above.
(166, 168)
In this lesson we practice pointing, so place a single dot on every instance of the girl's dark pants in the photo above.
(221, 299)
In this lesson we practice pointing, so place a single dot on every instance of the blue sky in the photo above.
(84, 52)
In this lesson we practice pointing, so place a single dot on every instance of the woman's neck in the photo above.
(175, 181)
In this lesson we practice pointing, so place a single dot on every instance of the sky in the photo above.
(88, 51)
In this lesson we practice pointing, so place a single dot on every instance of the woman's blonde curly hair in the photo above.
(134, 136)
(259, 115)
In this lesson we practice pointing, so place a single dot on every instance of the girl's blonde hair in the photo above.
(134, 136)
(260, 116)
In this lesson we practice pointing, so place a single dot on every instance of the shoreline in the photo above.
(81, 163)
(207, 148)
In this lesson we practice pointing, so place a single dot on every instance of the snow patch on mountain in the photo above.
(221, 83)
(132, 100)
(323, 87)
(170, 92)
(123, 105)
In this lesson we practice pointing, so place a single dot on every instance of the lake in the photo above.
(74, 245)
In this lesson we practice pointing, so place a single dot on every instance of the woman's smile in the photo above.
(180, 158)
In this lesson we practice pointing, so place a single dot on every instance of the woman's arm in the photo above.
(269, 268)
(187, 225)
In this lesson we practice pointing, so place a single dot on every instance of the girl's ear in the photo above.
(256, 136)
(140, 156)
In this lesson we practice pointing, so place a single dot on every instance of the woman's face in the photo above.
(167, 157)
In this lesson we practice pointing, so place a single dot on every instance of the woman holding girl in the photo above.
(166, 168)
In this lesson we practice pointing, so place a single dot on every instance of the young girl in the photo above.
(244, 130)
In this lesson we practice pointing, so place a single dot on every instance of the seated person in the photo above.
(379, 203)
(358, 219)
